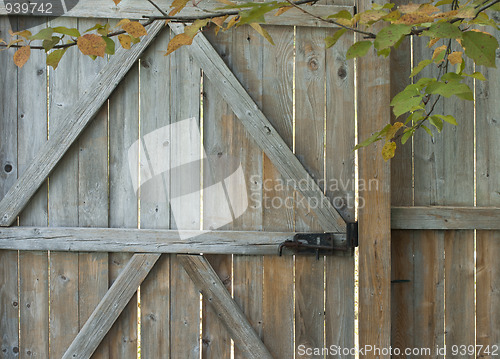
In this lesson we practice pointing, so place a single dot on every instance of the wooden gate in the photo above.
(82, 271)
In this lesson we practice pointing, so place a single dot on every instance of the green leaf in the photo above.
(448, 118)
(443, 2)
(406, 135)
(95, 27)
(451, 76)
(436, 122)
(449, 89)
(358, 49)
(427, 130)
(480, 47)
(44, 34)
(344, 14)
(477, 75)
(421, 65)
(66, 31)
(409, 92)
(424, 81)
(384, 52)
(110, 45)
(375, 137)
(54, 57)
(332, 40)
(256, 14)
(406, 105)
(49, 44)
(390, 35)
(443, 30)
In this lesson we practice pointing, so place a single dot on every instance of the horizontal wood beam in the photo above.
(75, 122)
(111, 306)
(136, 9)
(445, 217)
(79, 239)
(229, 313)
(262, 132)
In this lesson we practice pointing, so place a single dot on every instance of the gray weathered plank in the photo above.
(277, 105)
(111, 306)
(75, 121)
(209, 284)
(33, 266)
(373, 86)
(261, 130)
(136, 9)
(445, 217)
(9, 297)
(144, 240)
(154, 207)
(488, 183)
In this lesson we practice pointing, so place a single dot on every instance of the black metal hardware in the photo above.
(321, 243)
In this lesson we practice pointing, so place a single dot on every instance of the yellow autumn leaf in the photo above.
(25, 33)
(116, 1)
(232, 22)
(393, 130)
(409, 8)
(125, 41)
(13, 42)
(438, 51)
(92, 45)
(262, 31)
(122, 22)
(177, 6)
(282, 10)
(427, 9)
(219, 21)
(226, 2)
(414, 18)
(455, 57)
(388, 151)
(178, 41)
(445, 15)
(467, 12)
(134, 28)
(21, 56)
(432, 42)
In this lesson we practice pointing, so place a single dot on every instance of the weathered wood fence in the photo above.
(296, 101)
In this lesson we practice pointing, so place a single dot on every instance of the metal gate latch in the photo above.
(322, 243)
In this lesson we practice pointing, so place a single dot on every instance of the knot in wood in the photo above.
(313, 64)
(342, 73)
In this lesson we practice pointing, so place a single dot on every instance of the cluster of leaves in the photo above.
(450, 28)
(94, 42)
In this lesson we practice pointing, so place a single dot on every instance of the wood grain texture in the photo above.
(110, 307)
(93, 192)
(123, 200)
(135, 9)
(261, 130)
(48, 155)
(339, 171)
(374, 217)
(248, 271)
(185, 299)
(445, 217)
(144, 240)
(33, 266)
(207, 281)
(277, 105)
(309, 147)
(217, 122)
(488, 242)
(154, 208)
(9, 297)
(63, 204)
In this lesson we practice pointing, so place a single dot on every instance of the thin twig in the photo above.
(157, 8)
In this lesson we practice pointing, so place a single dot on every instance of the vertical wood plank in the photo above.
(217, 118)
(374, 217)
(428, 246)
(155, 211)
(278, 208)
(9, 299)
(309, 141)
(63, 204)
(339, 301)
(33, 266)
(402, 260)
(248, 270)
(488, 242)
(185, 299)
(93, 192)
(123, 133)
